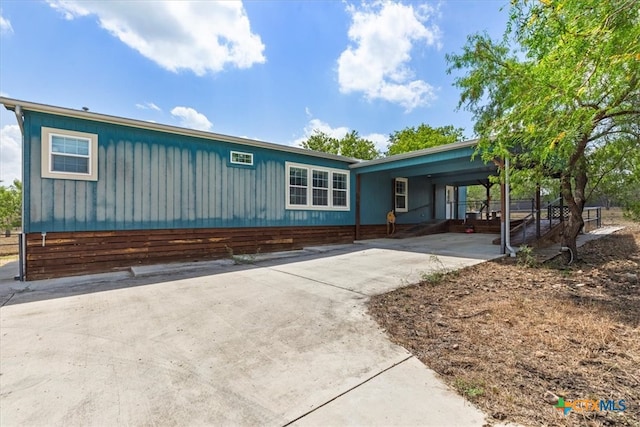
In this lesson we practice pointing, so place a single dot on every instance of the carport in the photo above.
(426, 186)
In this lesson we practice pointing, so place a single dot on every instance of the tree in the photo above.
(424, 136)
(351, 145)
(563, 80)
(10, 206)
(615, 172)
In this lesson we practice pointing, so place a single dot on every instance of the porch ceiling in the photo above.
(451, 164)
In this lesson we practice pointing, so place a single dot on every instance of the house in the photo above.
(103, 193)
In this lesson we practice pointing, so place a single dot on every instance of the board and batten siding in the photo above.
(155, 180)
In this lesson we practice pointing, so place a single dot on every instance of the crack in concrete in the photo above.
(347, 391)
(8, 299)
(319, 281)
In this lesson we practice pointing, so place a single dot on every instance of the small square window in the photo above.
(240, 158)
(69, 154)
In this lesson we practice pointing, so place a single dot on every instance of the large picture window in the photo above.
(312, 187)
(69, 154)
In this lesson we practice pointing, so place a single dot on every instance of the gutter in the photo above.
(18, 105)
(22, 244)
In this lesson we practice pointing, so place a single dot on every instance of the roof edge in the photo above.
(11, 104)
(418, 153)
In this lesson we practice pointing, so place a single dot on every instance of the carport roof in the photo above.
(457, 150)
(452, 164)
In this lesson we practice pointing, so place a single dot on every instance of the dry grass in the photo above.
(504, 334)
(8, 245)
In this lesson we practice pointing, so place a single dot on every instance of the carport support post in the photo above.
(488, 188)
(503, 224)
(537, 210)
(358, 177)
(456, 203)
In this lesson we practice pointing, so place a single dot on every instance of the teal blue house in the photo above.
(104, 193)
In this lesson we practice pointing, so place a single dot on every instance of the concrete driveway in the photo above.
(280, 342)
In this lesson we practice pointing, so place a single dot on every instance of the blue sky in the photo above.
(269, 70)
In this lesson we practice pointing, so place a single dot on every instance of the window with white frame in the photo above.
(240, 158)
(320, 188)
(312, 187)
(298, 186)
(340, 188)
(69, 154)
(402, 194)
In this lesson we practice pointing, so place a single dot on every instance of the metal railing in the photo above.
(480, 209)
(594, 215)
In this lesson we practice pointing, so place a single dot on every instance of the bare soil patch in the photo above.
(503, 334)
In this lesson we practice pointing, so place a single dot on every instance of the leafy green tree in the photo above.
(563, 80)
(615, 172)
(351, 145)
(10, 206)
(320, 141)
(424, 136)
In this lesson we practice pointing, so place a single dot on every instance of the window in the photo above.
(339, 189)
(311, 187)
(239, 158)
(320, 188)
(69, 155)
(298, 186)
(402, 194)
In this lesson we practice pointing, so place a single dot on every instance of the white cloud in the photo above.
(201, 36)
(378, 61)
(317, 124)
(148, 106)
(381, 141)
(5, 26)
(10, 154)
(191, 119)
(378, 139)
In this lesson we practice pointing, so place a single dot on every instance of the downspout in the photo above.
(507, 213)
(23, 241)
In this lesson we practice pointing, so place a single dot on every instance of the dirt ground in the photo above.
(514, 338)
(8, 248)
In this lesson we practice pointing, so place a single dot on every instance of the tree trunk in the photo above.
(574, 199)
(572, 228)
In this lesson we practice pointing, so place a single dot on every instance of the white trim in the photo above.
(309, 187)
(241, 153)
(418, 153)
(405, 194)
(12, 104)
(47, 171)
